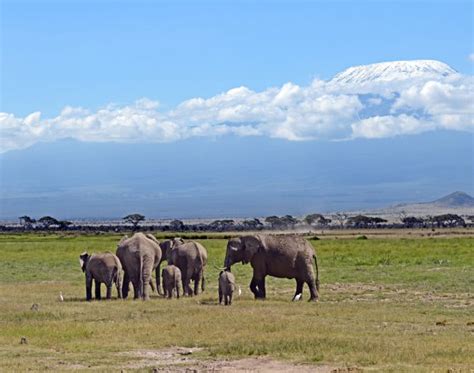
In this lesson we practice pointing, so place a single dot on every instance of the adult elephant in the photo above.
(140, 255)
(191, 258)
(278, 256)
(102, 268)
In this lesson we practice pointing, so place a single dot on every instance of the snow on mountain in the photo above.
(386, 72)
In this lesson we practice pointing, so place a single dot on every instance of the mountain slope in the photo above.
(456, 199)
(393, 71)
(234, 176)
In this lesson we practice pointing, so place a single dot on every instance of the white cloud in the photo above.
(389, 126)
(471, 57)
(321, 110)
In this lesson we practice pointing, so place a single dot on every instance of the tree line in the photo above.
(286, 222)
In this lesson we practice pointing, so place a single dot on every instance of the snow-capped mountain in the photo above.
(386, 72)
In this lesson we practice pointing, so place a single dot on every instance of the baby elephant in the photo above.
(171, 279)
(102, 268)
(226, 287)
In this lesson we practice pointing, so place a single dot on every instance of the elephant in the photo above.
(171, 280)
(140, 256)
(226, 287)
(167, 245)
(191, 258)
(278, 256)
(102, 268)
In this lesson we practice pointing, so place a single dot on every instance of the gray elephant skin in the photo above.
(140, 255)
(277, 256)
(171, 280)
(167, 246)
(191, 258)
(226, 287)
(102, 268)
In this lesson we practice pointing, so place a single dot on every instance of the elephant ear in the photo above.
(122, 240)
(153, 238)
(83, 258)
(251, 246)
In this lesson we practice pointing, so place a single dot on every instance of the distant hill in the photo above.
(459, 203)
(456, 199)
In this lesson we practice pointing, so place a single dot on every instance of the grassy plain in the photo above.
(387, 304)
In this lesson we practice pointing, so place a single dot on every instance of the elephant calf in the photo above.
(171, 279)
(102, 268)
(226, 287)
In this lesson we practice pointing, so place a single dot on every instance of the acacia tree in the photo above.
(26, 221)
(177, 226)
(341, 218)
(222, 225)
(48, 221)
(317, 219)
(134, 219)
(252, 224)
(273, 220)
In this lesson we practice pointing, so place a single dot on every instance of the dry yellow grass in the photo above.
(386, 304)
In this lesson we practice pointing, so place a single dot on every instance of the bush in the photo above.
(363, 237)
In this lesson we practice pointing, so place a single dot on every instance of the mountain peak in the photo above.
(456, 199)
(393, 71)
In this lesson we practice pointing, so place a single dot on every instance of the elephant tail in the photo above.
(141, 282)
(317, 272)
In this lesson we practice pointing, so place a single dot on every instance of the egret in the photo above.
(297, 297)
(61, 298)
(240, 291)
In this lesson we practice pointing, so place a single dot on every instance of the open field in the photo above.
(387, 304)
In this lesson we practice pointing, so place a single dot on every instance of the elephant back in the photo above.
(139, 245)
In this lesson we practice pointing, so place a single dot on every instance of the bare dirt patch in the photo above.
(182, 359)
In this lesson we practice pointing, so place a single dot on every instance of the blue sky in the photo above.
(229, 108)
(90, 54)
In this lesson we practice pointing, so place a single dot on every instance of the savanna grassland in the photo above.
(387, 304)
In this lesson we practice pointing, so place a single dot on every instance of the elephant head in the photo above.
(168, 245)
(241, 249)
(83, 260)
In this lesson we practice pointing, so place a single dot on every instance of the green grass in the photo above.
(380, 302)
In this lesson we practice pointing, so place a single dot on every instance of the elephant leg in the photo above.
(220, 296)
(261, 288)
(197, 280)
(187, 287)
(97, 290)
(254, 288)
(109, 291)
(125, 285)
(226, 299)
(230, 299)
(118, 285)
(88, 287)
(152, 285)
(177, 289)
(313, 291)
(136, 290)
(203, 281)
(299, 288)
(146, 289)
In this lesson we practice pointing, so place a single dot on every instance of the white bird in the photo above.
(240, 291)
(61, 298)
(297, 297)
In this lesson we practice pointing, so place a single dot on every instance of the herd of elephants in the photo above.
(137, 257)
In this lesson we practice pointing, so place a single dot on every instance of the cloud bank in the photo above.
(331, 110)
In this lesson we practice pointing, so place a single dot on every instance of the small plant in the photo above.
(363, 237)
